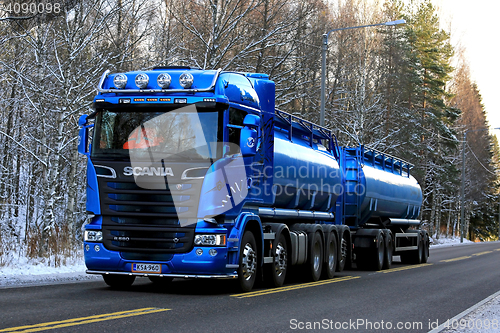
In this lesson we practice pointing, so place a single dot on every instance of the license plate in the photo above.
(146, 268)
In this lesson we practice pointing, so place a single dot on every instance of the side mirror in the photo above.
(249, 135)
(82, 121)
(83, 135)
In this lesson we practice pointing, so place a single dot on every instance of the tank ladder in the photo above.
(351, 167)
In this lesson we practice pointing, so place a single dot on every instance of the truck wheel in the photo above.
(414, 256)
(388, 253)
(425, 250)
(331, 256)
(277, 270)
(247, 270)
(344, 253)
(160, 281)
(315, 256)
(379, 253)
(116, 281)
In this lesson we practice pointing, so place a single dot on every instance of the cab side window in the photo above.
(236, 118)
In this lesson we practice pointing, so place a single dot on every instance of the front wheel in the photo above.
(117, 281)
(248, 263)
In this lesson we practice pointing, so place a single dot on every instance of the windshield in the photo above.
(156, 134)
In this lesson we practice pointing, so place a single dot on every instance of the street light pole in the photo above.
(323, 60)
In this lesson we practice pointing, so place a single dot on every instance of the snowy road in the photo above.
(403, 299)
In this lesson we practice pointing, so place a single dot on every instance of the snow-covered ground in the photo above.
(25, 272)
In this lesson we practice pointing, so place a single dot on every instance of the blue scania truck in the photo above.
(195, 174)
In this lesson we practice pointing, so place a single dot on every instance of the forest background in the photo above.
(389, 88)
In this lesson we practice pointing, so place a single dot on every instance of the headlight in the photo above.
(186, 80)
(92, 236)
(120, 81)
(210, 240)
(141, 80)
(164, 80)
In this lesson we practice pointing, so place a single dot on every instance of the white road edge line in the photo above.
(465, 313)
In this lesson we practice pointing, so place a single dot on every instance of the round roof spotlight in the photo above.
(141, 80)
(120, 81)
(164, 80)
(186, 80)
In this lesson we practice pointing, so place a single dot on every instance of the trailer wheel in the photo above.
(116, 281)
(278, 269)
(247, 270)
(315, 256)
(414, 256)
(379, 253)
(425, 250)
(388, 253)
(344, 253)
(331, 256)
(160, 280)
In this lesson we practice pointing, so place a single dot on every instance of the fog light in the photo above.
(142, 80)
(212, 252)
(186, 80)
(120, 81)
(87, 247)
(199, 252)
(97, 248)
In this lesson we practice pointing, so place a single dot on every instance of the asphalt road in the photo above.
(403, 299)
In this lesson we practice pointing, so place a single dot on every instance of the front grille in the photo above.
(153, 220)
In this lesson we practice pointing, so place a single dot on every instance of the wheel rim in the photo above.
(280, 260)
(248, 262)
(331, 257)
(343, 249)
(317, 256)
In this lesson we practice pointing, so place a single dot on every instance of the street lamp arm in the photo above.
(391, 23)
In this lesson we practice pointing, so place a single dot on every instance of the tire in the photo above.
(315, 256)
(388, 253)
(116, 281)
(248, 263)
(276, 272)
(161, 281)
(378, 253)
(330, 264)
(413, 257)
(344, 253)
(425, 251)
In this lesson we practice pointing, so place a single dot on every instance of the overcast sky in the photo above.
(475, 26)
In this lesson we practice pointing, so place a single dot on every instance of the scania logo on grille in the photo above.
(176, 240)
(148, 171)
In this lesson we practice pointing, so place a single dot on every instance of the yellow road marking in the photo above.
(83, 320)
(403, 268)
(294, 287)
(456, 259)
(497, 250)
(481, 253)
